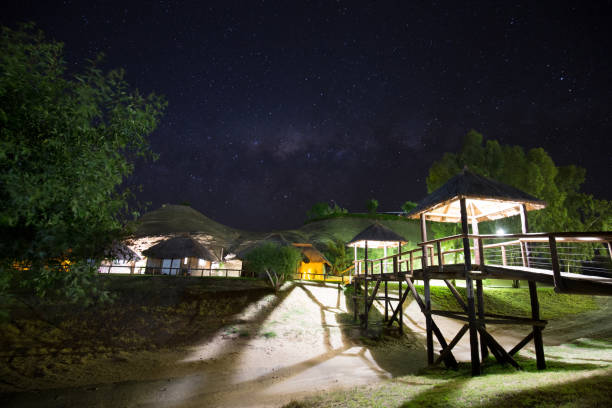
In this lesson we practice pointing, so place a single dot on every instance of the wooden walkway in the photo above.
(428, 262)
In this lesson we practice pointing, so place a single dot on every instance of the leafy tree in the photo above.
(372, 205)
(409, 206)
(324, 210)
(277, 263)
(338, 256)
(534, 172)
(67, 142)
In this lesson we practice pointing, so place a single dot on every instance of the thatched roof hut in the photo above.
(120, 251)
(487, 200)
(377, 236)
(312, 253)
(179, 247)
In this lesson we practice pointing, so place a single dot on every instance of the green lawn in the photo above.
(513, 302)
(581, 382)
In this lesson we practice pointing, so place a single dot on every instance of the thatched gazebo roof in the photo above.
(486, 200)
(312, 253)
(377, 236)
(179, 247)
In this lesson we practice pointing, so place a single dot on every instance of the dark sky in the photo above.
(274, 106)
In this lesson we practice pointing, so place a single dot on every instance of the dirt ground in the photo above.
(278, 349)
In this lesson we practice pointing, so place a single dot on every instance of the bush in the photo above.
(275, 262)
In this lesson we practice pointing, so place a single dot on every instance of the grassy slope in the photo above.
(173, 219)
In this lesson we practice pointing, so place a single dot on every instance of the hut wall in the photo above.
(310, 270)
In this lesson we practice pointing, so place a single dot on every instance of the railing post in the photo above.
(481, 256)
(439, 249)
(503, 252)
(554, 259)
(411, 263)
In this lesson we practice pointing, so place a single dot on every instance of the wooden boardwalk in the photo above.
(427, 263)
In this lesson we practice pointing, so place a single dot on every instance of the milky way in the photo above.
(274, 106)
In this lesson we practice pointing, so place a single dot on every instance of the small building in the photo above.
(119, 259)
(181, 255)
(313, 266)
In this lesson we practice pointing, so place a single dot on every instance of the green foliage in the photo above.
(67, 142)
(409, 206)
(534, 172)
(324, 210)
(372, 205)
(338, 256)
(279, 263)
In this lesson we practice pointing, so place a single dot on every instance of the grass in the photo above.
(578, 381)
(513, 302)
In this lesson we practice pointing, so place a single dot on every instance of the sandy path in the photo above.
(270, 357)
(264, 359)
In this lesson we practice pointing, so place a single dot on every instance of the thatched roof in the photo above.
(486, 200)
(179, 247)
(120, 251)
(312, 253)
(377, 236)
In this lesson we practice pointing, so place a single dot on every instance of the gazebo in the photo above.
(375, 236)
(179, 255)
(469, 198)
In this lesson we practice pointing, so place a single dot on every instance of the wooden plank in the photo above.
(386, 302)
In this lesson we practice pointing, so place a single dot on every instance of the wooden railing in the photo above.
(555, 251)
(172, 271)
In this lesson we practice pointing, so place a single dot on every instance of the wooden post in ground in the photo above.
(428, 325)
(484, 352)
(365, 287)
(535, 304)
(386, 302)
(401, 309)
(469, 288)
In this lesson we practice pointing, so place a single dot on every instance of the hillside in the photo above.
(179, 219)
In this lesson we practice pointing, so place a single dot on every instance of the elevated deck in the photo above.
(535, 258)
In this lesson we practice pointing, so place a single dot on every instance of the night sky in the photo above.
(274, 106)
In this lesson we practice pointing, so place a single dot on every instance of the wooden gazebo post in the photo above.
(427, 293)
(535, 304)
(479, 259)
(469, 289)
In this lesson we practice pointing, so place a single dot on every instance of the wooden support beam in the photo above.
(521, 344)
(386, 302)
(450, 359)
(554, 259)
(371, 298)
(484, 353)
(428, 329)
(401, 308)
(537, 330)
(475, 358)
(395, 315)
(493, 343)
(456, 294)
(452, 344)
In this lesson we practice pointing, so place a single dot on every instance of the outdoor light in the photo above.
(500, 231)
(185, 261)
(200, 262)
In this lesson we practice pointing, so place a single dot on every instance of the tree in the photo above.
(337, 255)
(409, 206)
(372, 205)
(277, 263)
(324, 210)
(534, 172)
(67, 142)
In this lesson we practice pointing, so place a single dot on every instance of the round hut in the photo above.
(181, 255)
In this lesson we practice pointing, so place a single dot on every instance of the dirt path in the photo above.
(268, 357)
